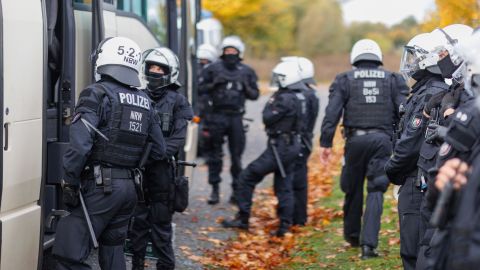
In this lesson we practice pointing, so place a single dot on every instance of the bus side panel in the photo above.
(23, 65)
(23, 99)
(20, 238)
(22, 164)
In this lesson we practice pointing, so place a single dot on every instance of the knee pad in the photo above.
(378, 184)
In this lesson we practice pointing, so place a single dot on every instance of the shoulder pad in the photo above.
(91, 98)
(440, 85)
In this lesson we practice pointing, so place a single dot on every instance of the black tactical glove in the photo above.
(70, 194)
(437, 133)
(434, 102)
(219, 79)
(450, 100)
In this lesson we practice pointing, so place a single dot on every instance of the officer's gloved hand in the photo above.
(219, 80)
(434, 102)
(70, 194)
(437, 133)
(450, 102)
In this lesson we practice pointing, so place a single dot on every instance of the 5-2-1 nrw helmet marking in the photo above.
(119, 58)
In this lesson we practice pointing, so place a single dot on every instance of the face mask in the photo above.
(156, 81)
(447, 67)
(420, 74)
(231, 60)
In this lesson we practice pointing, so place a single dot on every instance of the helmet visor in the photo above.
(275, 82)
(410, 62)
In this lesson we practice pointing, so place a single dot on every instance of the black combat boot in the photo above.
(282, 229)
(215, 196)
(368, 252)
(238, 222)
(138, 263)
(353, 241)
(233, 199)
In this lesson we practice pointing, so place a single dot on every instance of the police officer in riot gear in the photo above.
(369, 98)
(113, 123)
(228, 83)
(436, 112)
(206, 54)
(153, 218)
(419, 63)
(451, 246)
(300, 182)
(283, 117)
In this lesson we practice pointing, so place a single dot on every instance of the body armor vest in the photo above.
(230, 95)
(294, 123)
(126, 127)
(164, 109)
(422, 95)
(370, 102)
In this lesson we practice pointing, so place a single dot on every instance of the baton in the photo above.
(248, 119)
(279, 162)
(306, 143)
(87, 219)
(439, 212)
(186, 163)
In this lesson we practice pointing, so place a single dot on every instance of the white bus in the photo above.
(46, 47)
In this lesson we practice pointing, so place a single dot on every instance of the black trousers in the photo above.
(300, 187)
(110, 214)
(220, 126)
(365, 156)
(153, 221)
(411, 225)
(259, 168)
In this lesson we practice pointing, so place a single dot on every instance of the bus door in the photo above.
(22, 65)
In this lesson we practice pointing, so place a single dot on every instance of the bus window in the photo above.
(89, 2)
(152, 12)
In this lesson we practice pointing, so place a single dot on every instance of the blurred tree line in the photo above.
(278, 27)
(448, 12)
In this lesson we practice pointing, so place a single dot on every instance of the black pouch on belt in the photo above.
(180, 200)
(107, 180)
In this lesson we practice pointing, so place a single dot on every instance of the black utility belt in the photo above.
(228, 111)
(287, 137)
(354, 132)
(97, 172)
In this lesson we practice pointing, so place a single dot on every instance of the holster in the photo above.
(138, 180)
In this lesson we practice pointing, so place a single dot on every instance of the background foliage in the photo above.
(277, 27)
